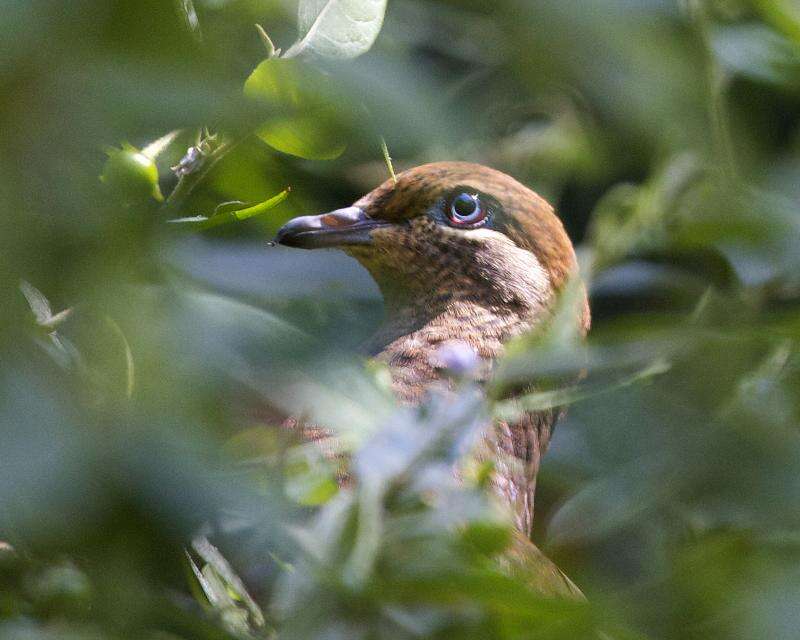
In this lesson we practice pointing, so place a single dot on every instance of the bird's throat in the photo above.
(478, 290)
(413, 333)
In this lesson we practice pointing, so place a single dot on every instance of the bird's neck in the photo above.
(415, 327)
(433, 319)
(432, 295)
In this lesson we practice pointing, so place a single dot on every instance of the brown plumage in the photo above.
(480, 279)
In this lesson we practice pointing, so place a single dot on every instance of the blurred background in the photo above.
(140, 358)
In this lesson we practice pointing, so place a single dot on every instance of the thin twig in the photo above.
(187, 183)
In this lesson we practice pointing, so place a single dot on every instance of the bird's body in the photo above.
(460, 253)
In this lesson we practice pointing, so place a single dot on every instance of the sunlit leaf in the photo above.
(313, 136)
(157, 147)
(337, 28)
(300, 118)
(131, 175)
(229, 212)
(189, 13)
(39, 304)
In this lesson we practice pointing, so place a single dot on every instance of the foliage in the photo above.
(148, 348)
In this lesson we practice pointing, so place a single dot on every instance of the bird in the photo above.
(462, 254)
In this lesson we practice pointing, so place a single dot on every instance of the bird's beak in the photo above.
(343, 227)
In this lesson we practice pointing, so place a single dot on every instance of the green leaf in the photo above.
(311, 480)
(198, 585)
(233, 205)
(562, 397)
(233, 212)
(609, 503)
(131, 175)
(312, 136)
(282, 84)
(782, 14)
(337, 28)
(757, 52)
(487, 537)
(300, 120)
(222, 585)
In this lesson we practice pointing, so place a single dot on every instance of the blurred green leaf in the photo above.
(544, 400)
(311, 480)
(488, 538)
(130, 368)
(225, 587)
(603, 507)
(783, 14)
(131, 175)
(754, 51)
(630, 219)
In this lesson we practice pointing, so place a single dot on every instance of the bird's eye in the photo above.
(466, 210)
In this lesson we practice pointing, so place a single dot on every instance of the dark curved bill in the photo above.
(350, 226)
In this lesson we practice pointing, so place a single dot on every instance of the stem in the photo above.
(188, 182)
(717, 80)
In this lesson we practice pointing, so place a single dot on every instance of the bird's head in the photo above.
(447, 231)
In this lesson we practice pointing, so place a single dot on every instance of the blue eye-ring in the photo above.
(466, 209)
